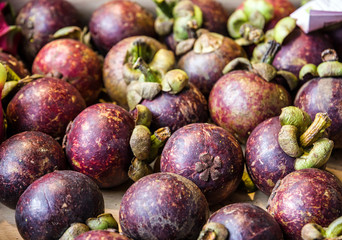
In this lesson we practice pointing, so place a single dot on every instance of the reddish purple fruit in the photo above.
(74, 62)
(24, 158)
(299, 49)
(101, 235)
(247, 221)
(163, 206)
(97, 144)
(53, 202)
(305, 196)
(176, 111)
(214, 163)
(116, 20)
(240, 100)
(266, 162)
(39, 20)
(16, 65)
(323, 95)
(46, 105)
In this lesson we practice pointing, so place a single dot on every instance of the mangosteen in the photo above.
(39, 20)
(74, 62)
(47, 105)
(323, 93)
(163, 206)
(116, 60)
(305, 196)
(205, 62)
(116, 20)
(101, 235)
(14, 64)
(242, 221)
(56, 200)
(215, 163)
(241, 99)
(10, 34)
(26, 157)
(97, 143)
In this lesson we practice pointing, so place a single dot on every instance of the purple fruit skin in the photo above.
(176, 111)
(101, 235)
(336, 35)
(97, 144)
(113, 79)
(299, 49)
(24, 158)
(180, 156)
(16, 65)
(247, 221)
(46, 105)
(77, 63)
(51, 203)
(40, 19)
(116, 20)
(163, 206)
(205, 69)
(240, 100)
(266, 162)
(305, 196)
(323, 95)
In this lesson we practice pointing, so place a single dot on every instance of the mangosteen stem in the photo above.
(150, 76)
(271, 52)
(165, 7)
(140, 49)
(158, 140)
(334, 229)
(213, 231)
(329, 55)
(318, 155)
(102, 221)
(315, 130)
(143, 116)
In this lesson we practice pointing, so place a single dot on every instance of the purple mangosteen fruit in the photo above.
(241, 99)
(39, 20)
(214, 163)
(97, 143)
(116, 20)
(205, 62)
(56, 200)
(242, 221)
(46, 105)
(101, 235)
(25, 157)
(163, 206)
(323, 93)
(115, 62)
(305, 196)
(74, 62)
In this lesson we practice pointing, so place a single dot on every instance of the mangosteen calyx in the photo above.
(208, 166)
(74, 32)
(139, 169)
(303, 140)
(213, 231)
(208, 42)
(142, 115)
(313, 231)
(74, 230)
(140, 142)
(102, 222)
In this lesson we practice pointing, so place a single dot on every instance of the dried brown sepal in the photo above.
(136, 91)
(185, 46)
(266, 71)
(288, 141)
(140, 142)
(291, 79)
(139, 169)
(102, 222)
(143, 116)
(175, 81)
(239, 63)
(74, 230)
(208, 42)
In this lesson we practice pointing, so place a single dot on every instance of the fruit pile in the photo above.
(186, 105)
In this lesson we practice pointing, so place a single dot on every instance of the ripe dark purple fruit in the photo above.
(299, 49)
(24, 158)
(97, 143)
(214, 163)
(113, 78)
(116, 20)
(101, 235)
(240, 100)
(46, 105)
(16, 65)
(163, 206)
(305, 196)
(40, 19)
(176, 111)
(74, 62)
(323, 95)
(247, 221)
(53, 202)
(266, 162)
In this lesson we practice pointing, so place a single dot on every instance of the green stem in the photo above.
(271, 52)
(164, 7)
(150, 76)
